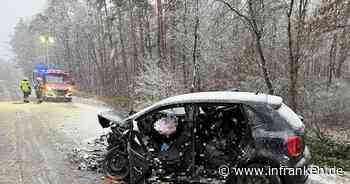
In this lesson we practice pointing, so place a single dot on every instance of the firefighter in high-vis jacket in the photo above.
(26, 89)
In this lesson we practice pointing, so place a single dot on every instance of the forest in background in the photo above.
(135, 52)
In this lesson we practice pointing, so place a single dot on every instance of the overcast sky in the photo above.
(10, 12)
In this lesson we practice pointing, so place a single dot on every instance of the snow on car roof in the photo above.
(215, 97)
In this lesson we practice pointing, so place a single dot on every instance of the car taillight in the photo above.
(294, 145)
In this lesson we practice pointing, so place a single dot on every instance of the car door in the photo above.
(138, 156)
(220, 131)
(143, 147)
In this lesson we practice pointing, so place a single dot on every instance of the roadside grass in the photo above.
(117, 102)
(328, 152)
(326, 112)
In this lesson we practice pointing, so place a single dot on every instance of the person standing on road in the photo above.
(26, 89)
(38, 86)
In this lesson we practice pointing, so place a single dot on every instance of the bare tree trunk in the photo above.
(293, 72)
(123, 53)
(196, 66)
(343, 51)
(264, 67)
(109, 24)
(161, 31)
(257, 32)
(141, 33)
(148, 38)
(295, 48)
(332, 58)
(135, 62)
(184, 55)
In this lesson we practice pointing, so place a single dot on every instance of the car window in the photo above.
(254, 119)
(159, 117)
(176, 111)
(272, 119)
(220, 129)
(221, 118)
(166, 127)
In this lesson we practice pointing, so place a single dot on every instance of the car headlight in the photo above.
(48, 88)
(70, 89)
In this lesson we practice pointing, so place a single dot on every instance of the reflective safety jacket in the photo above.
(25, 86)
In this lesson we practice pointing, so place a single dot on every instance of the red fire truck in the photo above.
(57, 84)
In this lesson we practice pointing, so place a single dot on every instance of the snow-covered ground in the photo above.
(330, 179)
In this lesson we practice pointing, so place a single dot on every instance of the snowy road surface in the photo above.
(34, 138)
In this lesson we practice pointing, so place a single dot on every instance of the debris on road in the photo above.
(89, 158)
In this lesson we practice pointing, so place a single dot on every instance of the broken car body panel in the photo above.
(214, 128)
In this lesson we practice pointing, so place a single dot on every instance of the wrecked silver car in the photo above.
(205, 138)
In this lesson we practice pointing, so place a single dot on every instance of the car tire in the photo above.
(256, 179)
(116, 164)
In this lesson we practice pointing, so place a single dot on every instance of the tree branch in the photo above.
(236, 11)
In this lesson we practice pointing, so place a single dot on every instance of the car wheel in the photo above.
(116, 164)
(256, 178)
